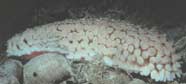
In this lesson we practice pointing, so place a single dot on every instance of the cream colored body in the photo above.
(115, 43)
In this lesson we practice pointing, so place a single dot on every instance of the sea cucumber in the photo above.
(113, 42)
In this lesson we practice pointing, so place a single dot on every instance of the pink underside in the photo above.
(33, 54)
(37, 53)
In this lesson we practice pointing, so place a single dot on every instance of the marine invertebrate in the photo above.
(113, 42)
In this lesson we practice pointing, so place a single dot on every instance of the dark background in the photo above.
(16, 15)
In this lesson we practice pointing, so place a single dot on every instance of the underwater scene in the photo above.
(93, 42)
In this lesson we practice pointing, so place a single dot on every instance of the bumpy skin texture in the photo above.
(115, 43)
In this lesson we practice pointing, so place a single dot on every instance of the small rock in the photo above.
(48, 68)
(137, 81)
(9, 80)
(11, 72)
(175, 82)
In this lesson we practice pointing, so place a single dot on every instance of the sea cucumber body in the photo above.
(115, 43)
